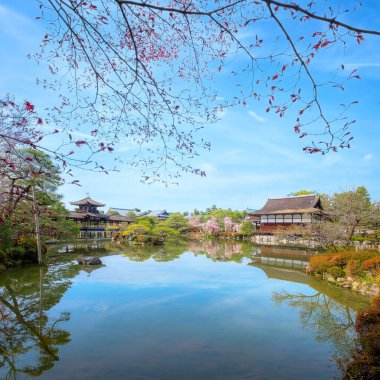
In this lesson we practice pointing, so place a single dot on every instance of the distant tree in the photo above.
(131, 215)
(228, 224)
(113, 212)
(247, 228)
(195, 224)
(301, 192)
(176, 221)
(148, 221)
(352, 208)
(137, 229)
(165, 233)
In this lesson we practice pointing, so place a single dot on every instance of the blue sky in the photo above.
(254, 155)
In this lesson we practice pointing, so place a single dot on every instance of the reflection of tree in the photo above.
(331, 321)
(29, 337)
(214, 250)
(165, 253)
(222, 250)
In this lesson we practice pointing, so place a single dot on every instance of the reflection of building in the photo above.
(285, 212)
(92, 222)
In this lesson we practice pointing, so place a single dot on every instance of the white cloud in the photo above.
(257, 117)
(368, 157)
(17, 26)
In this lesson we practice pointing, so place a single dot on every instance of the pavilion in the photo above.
(92, 222)
(285, 212)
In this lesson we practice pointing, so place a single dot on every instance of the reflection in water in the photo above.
(215, 250)
(29, 338)
(331, 321)
(191, 318)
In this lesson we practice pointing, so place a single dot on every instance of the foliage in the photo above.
(3, 256)
(326, 233)
(25, 251)
(365, 359)
(165, 233)
(176, 221)
(335, 271)
(148, 221)
(147, 229)
(301, 192)
(35, 183)
(143, 70)
(350, 209)
(348, 261)
(211, 226)
(346, 212)
(372, 265)
(247, 228)
(136, 229)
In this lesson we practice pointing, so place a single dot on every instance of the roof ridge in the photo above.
(296, 196)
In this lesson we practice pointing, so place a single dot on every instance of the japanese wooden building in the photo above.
(285, 212)
(93, 223)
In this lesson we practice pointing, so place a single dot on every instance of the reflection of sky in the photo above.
(255, 155)
(191, 318)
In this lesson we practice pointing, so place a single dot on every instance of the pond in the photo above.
(197, 311)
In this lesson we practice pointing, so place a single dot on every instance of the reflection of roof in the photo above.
(300, 204)
(87, 201)
(282, 274)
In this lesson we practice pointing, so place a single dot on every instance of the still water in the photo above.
(201, 311)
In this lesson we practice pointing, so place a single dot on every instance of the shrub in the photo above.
(320, 263)
(368, 326)
(335, 271)
(375, 302)
(352, 268)
(372, 265)
(26, 251)
(3, 256)
(367, 320)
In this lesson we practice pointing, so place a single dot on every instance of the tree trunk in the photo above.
(37, 226)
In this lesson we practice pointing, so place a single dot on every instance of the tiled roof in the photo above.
(301, 204)
(157, 213)
(83, 215)
(87, 201)
(112, 218)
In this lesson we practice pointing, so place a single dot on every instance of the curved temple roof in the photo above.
(87, 201)
(300, 204)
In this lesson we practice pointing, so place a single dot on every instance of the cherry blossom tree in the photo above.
(146, 72)
(194, 223)
(28, 176)
(211, 226)
(228, 224)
